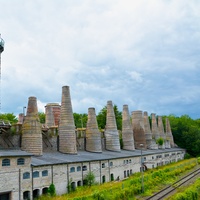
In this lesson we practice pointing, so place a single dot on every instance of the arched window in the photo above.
(84, 168)
(36, 174)
(26, 175)
(111, 164)
(20, 161)
(26, 195)
(78, 169)
(72, 169)
(103, 165)
(45, 173)
(6, 162)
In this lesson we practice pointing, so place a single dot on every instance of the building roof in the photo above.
(53, 158)
(13, 153)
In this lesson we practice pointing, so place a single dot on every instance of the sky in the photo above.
(145, 54)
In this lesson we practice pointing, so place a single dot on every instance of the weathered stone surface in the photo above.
(31, 129)
(161, 130)
(52, 111)
(93, 135)
(111, 132)
(127, 131)
(154, 127)
(138, 129)
(66, 129)
(151, 143)
(169, 135)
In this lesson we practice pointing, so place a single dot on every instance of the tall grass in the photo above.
(154, 180)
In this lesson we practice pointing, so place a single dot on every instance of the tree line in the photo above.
(185, 130)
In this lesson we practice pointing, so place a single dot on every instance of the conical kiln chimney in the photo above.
(111, 132)
(127, 131)
(31, 129)
(154, 127)
(93, 136)
(169, 135)
(66, 129)
(161, 130)
(138, 129)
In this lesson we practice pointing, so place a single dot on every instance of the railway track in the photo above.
(168, 191)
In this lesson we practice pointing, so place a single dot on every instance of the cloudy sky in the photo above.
(142, 53)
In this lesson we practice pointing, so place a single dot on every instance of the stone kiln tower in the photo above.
(111, 132)
(151, 144)
(93, 136)
(31, 129)
(138, 129)
(66, 129)
(169, 135)
(127, 131)
(52, 111)
(161, 130)
(154, 127)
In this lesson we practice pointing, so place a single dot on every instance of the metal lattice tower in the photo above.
(1, 50)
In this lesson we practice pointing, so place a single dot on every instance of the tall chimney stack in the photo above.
(154, 127)
(127, 130)
(31, 129)
(161, 130)
(66, 129)
(111, 132)
(169, 135)
(138, 129)
(93, 135)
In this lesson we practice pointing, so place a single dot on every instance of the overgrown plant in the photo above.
(160, 141)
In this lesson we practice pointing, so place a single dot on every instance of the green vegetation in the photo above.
(52, 190)
(130, 188)
(160, 141)
(192, 192)
(9, 117)
(186, 132)
(89, 179)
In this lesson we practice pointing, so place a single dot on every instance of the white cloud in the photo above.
(141, 53)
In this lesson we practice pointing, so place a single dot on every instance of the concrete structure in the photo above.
(93, 135)
(111, 132)
(138, 129)
(66, 129)
(154, 127)
(127, 130)
(31, 129)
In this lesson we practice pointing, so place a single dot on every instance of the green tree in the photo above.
(52, 190)
(9, 117)
(80, 120)
(89, 179)
(41, 117)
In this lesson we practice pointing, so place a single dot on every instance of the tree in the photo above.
(89, 179)
(52, 190)
(10, 117)
(42, 117)
(80, 120)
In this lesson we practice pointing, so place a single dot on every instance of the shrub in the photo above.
(52, 190)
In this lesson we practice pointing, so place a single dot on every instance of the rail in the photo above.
(170, 189)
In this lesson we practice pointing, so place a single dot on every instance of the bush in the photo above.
(52, 190)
